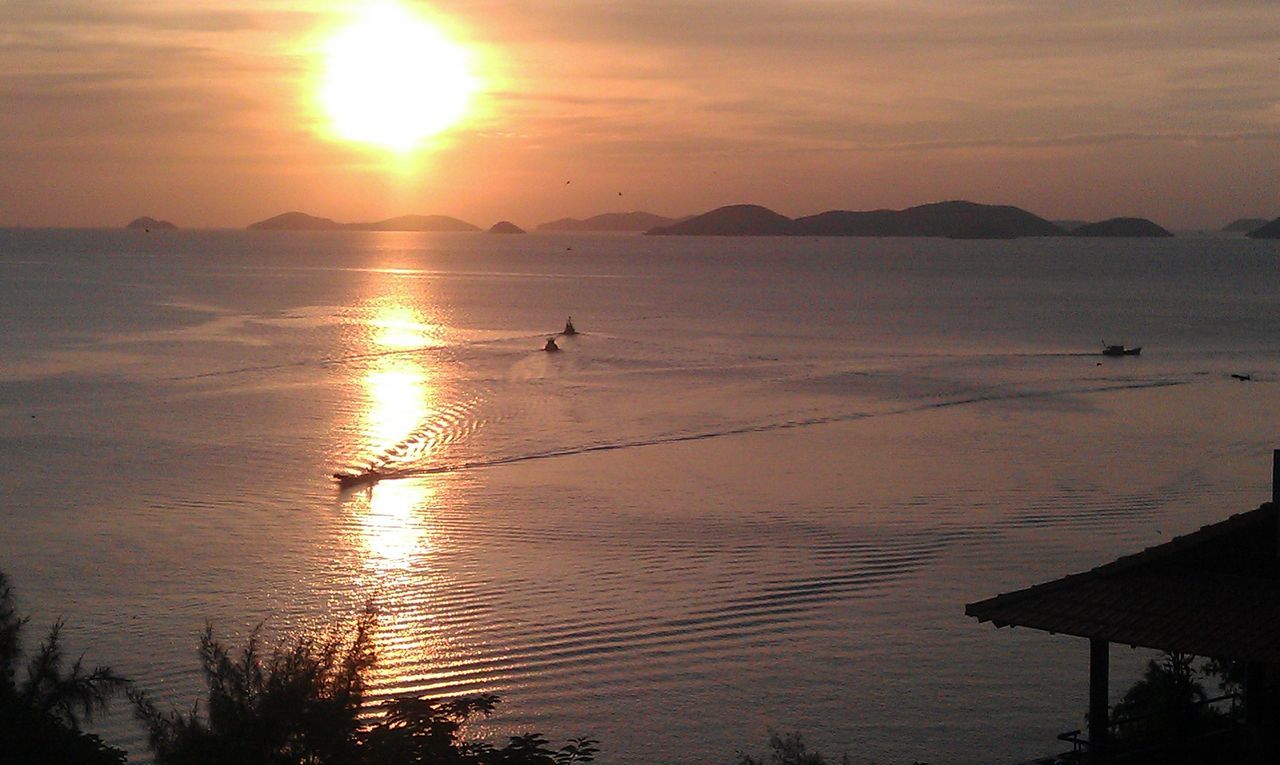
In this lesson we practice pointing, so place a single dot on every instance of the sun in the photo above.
(393, 80)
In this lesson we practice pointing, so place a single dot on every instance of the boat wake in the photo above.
(792, 424)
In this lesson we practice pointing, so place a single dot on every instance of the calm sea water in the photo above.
(755, 493)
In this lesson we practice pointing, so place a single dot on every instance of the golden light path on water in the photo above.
(398, 399)
(397, 535)
(391, 526)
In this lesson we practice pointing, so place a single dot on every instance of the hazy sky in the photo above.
(204, 111)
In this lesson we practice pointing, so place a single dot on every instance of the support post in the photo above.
(1099, 672)
(1253, 699)
(1275, 477)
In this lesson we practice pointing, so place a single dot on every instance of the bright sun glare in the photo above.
(393, 80)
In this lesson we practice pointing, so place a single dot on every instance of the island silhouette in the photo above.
(1070, 224)
(147, 223)
(956, 219)
(1122, 227)
(505, 227)
(1269, 231)
(416, 223)
(623, 221)
(299, 221)
(1245, 225)
(731, 220)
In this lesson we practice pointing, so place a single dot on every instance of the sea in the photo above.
(754, 492)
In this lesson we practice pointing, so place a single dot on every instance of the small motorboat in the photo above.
(367, 477)
(551, 346)
(1239, 376)
(568, 327)
(1121, 350)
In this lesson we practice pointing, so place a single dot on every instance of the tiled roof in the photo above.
(1214, 592)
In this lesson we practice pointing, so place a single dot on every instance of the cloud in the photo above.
(934, 70)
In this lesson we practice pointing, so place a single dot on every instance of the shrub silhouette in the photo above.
(788, 749)
(1164, 718)
(41, 707)
(1168, 692)
(303, 703)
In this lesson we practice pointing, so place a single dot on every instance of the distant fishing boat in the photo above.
(568, 327)
(551, 345)
(1120, 350)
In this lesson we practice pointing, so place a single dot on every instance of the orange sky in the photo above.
(203, 112)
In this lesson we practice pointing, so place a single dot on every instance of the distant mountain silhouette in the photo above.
(956, 219)
(295, 221)
(1122, 227)
(505, 227)
(1070, 224)
(628, 221)
(151, 224)
(416, 223)
(734, 220)
(1245, 225)
(1269, 231)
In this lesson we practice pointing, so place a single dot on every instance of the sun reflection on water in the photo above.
(399, 327)
(394, 534)
(394, 527)
(391, 530)
(398, 388)
(399, 400)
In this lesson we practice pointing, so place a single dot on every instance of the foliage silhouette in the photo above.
(1164, 716)
(1168, 692)
(303, 703)
(295, 703)
(788, 749)
(1230, 675)
(40, 714)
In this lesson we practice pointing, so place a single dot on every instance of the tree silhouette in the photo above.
(42, 704)
(1163, 718)
(1166, 700)
(297, 703)
(788, 749)
(302, 703)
